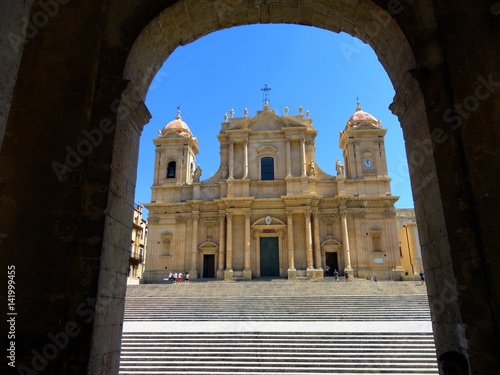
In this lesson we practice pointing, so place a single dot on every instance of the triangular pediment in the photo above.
(266, 121)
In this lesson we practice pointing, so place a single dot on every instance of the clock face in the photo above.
(367, 163)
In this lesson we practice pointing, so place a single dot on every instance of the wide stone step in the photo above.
(338, 308)
(277, 353)
(281, 329)
(279, 368)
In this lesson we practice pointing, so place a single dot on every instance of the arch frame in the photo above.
(446, 165)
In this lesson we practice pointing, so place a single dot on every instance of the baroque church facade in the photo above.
(270, 211)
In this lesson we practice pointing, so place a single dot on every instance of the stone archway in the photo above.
(72, 76)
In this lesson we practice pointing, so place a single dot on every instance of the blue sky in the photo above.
(321, 71)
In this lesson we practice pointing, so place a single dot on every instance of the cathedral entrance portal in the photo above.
(269, 257)
(208, 266)
(332, 261)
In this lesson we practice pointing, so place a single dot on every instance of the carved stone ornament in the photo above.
(210, 221)
(153, 220)
(389, 213)
(329, 218)
(181, 219)
(269, 220)
(358, 213)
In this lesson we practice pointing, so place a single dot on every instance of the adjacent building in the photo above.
(409, 243)
(138, 244)
(269, 210)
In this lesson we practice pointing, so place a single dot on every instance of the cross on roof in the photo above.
(265, 90)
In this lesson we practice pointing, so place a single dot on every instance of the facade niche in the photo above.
(376, 237)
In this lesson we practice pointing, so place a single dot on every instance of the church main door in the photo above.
(208, 266)
(269, 257)
(332, 262)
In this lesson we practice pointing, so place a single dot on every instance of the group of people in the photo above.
(177, 278)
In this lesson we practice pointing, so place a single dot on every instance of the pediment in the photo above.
(266, 121)
(166, 236)
(267, 149)
(208, 245)
(331, 242)
(268, 221)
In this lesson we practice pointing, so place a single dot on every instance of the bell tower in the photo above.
(362, 142)
(176, 151)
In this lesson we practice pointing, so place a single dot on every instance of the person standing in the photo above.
(422, 277)
(346, 274)
(336, 274)
(179, 278)
(327, 271)
(174, 280)
(186, 278)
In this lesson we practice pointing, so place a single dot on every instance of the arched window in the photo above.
(267, 169)
(171, 169)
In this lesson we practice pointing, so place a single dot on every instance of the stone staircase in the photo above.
(279, 308)
(286, 327)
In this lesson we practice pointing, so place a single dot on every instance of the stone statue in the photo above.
(197, 174)
(312, 169)
(339, 167)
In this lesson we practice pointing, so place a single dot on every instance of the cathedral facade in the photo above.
(270, 211)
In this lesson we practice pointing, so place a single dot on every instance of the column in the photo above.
(291, 257)
(303, 156)
(361, 258)
(309, 251)
(222, 250)
(416, 250)
(247, 240)
(229, 242)
(288, 159)
(179, 176)
(245, 152)
(345, 237)
(231, 159)
(160, 169)
(194, 249)
(390, 238)
(247, 271)
(317, 246)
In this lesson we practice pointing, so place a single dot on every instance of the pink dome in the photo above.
(361, 117)
(178, 126)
